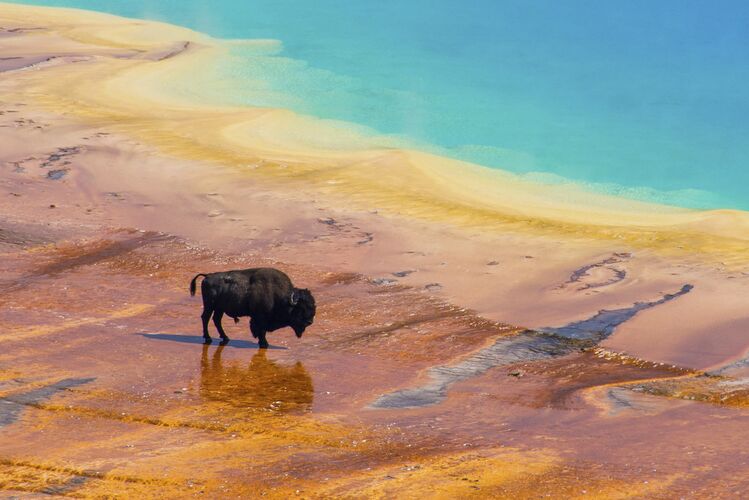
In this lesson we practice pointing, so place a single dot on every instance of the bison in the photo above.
(265, 294)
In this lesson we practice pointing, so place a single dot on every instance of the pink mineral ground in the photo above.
(450, 357)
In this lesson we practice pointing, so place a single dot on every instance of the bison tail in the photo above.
(192, 283)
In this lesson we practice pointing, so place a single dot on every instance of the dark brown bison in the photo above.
(266, 295)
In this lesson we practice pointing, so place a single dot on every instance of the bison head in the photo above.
(302, 310)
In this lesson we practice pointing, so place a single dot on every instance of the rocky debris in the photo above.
(368, 237)
(609, 264)
(57, 162)
(57, 173)
(328, 221)
(60, 156)
(384, 281)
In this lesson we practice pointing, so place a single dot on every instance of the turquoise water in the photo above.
(647, 99)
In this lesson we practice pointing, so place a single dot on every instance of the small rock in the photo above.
(368, 237)
(57, 174)
(53, 206)
(383, 281)
(492, 263)
(516, 373)
(403, 274)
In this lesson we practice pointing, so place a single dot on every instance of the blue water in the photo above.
(643, 98)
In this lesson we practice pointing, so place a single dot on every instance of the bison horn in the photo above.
(294, 298)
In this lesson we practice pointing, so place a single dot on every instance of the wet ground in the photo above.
(107, 389)
(396, 391)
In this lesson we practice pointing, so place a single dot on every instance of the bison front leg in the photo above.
(217, 315)
(258, 331)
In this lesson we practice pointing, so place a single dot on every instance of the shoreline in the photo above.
(120, 91)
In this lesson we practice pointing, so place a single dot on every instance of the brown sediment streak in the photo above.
(181, 47)
(38, 331)
(261, 425)
(77, 256)
(99, 252)
(397, 325)
(20, 239)
(688, 385)
(11, 405)
(701, 387)
(14, 64)
(136, 419)
(91, 474)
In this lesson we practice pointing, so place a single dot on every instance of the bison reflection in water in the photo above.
(265, 294)
(262, 385)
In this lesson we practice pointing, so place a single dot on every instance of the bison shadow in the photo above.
(193, 339)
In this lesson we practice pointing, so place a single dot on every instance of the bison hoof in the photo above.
(263, 344)
(207, 340)
(224, 341)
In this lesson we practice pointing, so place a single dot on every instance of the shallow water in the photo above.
(640, 99)
(525, 347)
(232, 420)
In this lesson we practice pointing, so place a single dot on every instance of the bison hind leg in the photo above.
(217, 315)
(205, 317)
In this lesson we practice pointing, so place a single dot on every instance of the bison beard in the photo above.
(266, 295)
